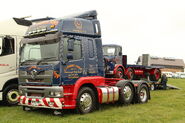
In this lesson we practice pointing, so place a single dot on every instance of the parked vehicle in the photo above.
(62, 67)
(182, 76)
(116, 66)
(10, 36)
(175, 75)
(11, 33)
(169, 74)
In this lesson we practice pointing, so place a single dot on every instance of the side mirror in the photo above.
(1, 45)
(70, 46)
(69, 56)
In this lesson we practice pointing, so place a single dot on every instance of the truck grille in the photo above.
(43, 76)
(35, 94)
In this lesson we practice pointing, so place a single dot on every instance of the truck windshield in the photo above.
(109, 51)
(36, 52)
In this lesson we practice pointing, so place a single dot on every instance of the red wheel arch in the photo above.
(119, 66)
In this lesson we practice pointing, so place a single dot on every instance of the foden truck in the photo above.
(62, 67)
(116, 66)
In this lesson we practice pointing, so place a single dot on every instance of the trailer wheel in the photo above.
(119, 73)
(130, 74)
(11, 95)
(156, 75)
(126, 94)
(143, 94)
(86, 100)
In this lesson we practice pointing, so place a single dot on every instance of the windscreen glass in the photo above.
(35, 51)
(109, 51)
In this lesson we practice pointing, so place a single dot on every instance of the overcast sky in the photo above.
(156, 27)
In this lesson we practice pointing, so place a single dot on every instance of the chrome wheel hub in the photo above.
(143, 95)
(127, 92)
(85, 101)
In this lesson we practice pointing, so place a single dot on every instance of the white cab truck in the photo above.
(10, 36)
(11, 33)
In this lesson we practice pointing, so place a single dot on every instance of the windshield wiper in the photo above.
(27, 61)
(43, 59)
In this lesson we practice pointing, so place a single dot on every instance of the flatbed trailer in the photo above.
(116, 66)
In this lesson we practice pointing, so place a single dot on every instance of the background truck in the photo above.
(11, 33)
(62, 67)
(116, 66)
(10, 36)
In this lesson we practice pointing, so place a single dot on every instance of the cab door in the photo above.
(7, 54)
(72, 59)
(91, 60)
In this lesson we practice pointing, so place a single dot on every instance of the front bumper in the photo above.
(40, 97)
(53, 103)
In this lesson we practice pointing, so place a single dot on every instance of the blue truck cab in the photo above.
(69, 48)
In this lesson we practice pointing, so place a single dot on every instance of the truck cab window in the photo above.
(91, 48)
(76, 52)
(8, 46)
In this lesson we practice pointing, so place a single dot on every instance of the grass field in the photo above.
(166, 106)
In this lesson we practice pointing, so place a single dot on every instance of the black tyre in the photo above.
(11, 95)
(119, 73)
(156, 75)
(86, 100)
(126, 93)
(143, 94)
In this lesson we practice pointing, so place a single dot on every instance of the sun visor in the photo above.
(46, 38)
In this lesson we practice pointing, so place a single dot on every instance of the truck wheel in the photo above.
(126, 94)
(130, 74)
(143, 94)
(119, 73)
(156, 75)
(86, 100)
(11, 94)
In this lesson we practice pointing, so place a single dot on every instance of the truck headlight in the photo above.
(56, 94)
(52, 93)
